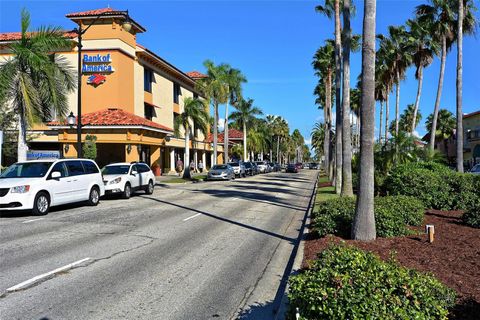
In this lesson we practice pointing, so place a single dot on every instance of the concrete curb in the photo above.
(297, 264)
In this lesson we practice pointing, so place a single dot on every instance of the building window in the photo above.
(175, 116)
(176, 92)
(149, 111)
(147, 79)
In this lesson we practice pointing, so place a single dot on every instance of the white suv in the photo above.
(125, 178)
(41, 184)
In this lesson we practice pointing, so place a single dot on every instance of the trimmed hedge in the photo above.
(348, 283)
(435, 185)
(472, 216)
(392, 215)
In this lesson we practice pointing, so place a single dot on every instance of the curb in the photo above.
(298, 250)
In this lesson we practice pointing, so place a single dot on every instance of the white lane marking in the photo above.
(29, 282)
(32, 220)
(195, 215)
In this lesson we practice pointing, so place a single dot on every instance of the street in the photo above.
(212, 250)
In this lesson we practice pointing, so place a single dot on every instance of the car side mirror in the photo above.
(134, 173)
(56, 175)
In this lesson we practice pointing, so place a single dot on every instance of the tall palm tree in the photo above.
(440, 15)
(364, 222)
(332, 9)
(298, 141)
(445, 128)
(318, 138)
(193, 116)
(355, 102)
(384, 77)
(34, 82)
(423, 47)
(234, 80)
(216, 90)
(281, 132)
(244, 116)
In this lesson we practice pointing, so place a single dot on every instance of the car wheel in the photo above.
(41, 204)
(94, 197)
(127, 191)
(149, 188)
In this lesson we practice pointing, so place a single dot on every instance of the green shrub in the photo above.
(392, 215)
(472, 216)
(348, 283)
(435, 185)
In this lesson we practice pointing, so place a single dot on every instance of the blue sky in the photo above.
(271, 42)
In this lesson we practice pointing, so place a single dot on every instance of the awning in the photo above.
(152, 105)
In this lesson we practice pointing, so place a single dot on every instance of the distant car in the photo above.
(262, 166)
(299, 165)
(249, 169)
(238, 168)
(293, 168)
(126, 178)
(475, 169)
(306, 166)
(314, 166)
(221, 172)
(274, 167)
(41, 184)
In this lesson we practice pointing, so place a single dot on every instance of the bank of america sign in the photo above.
(97, 63)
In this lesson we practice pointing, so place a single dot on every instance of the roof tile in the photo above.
(13, 36)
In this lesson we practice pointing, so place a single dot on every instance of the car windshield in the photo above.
(291, 165)
(248, 164)
(117, 169)
(220, 167)
(476, 168)
(26, 170)
(234, 164)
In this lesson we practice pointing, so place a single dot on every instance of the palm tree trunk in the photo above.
(397, 105)
(186, 165)
(215, 133)
(347, 189)
(387, 112)
(459, 132)
(244, 141)
(328, 123)
(22, 138)
(417, 100)
(225, 135)
(439, 94)
(364, 223)
(278, 149)
(381, 119)
(338, 101)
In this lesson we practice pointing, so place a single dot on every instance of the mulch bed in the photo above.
(454, 256)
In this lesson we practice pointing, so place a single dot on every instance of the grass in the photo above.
(324, 193)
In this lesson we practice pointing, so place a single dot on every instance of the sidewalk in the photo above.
(176, 178)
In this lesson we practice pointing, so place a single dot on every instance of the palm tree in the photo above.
(298, 141)
(440, 15)
(35, 82)
(459, 88)
(281, 132)
(215, 89)
(364, 222)
(384, 77)
(193, 116)
(406, 120)
(244, 116)
(446, 123)
(318, 138)
(330, 9)
(424, 47)
(234, 79)
(355, 101)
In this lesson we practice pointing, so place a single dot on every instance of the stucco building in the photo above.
(130, 97)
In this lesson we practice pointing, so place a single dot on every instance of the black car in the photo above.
(314, 166)
(291, 167)
(249, 170)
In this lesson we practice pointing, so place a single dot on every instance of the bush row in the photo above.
(348, 283)
(435, 185)
(392, 215)
(472, 216)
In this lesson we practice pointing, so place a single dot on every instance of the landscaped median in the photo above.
(401, 275)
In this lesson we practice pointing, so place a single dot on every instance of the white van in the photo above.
(40, 184)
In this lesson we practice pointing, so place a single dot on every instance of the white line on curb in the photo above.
(195, 215)
(45, 275)
(28, 221)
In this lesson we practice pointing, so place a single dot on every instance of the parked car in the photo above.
(126, 178)
(273, 167)
(292, 168)
(41, 184)
(262, 166)
(298, 165)
(249, 168)
(221, 172)
(475, 169)
(314, 166)
(255, 168)
(238, 168)
(306, 165)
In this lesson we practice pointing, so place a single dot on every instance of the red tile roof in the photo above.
(471, 114)
(233, 134)
(115, 117)
(196, 75)
(93, 12)
(12, 36)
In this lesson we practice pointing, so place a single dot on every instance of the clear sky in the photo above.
(271, 42)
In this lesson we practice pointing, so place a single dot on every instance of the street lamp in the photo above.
(127, 26)
(71, 119)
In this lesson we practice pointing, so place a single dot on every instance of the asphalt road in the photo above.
(213, 250)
